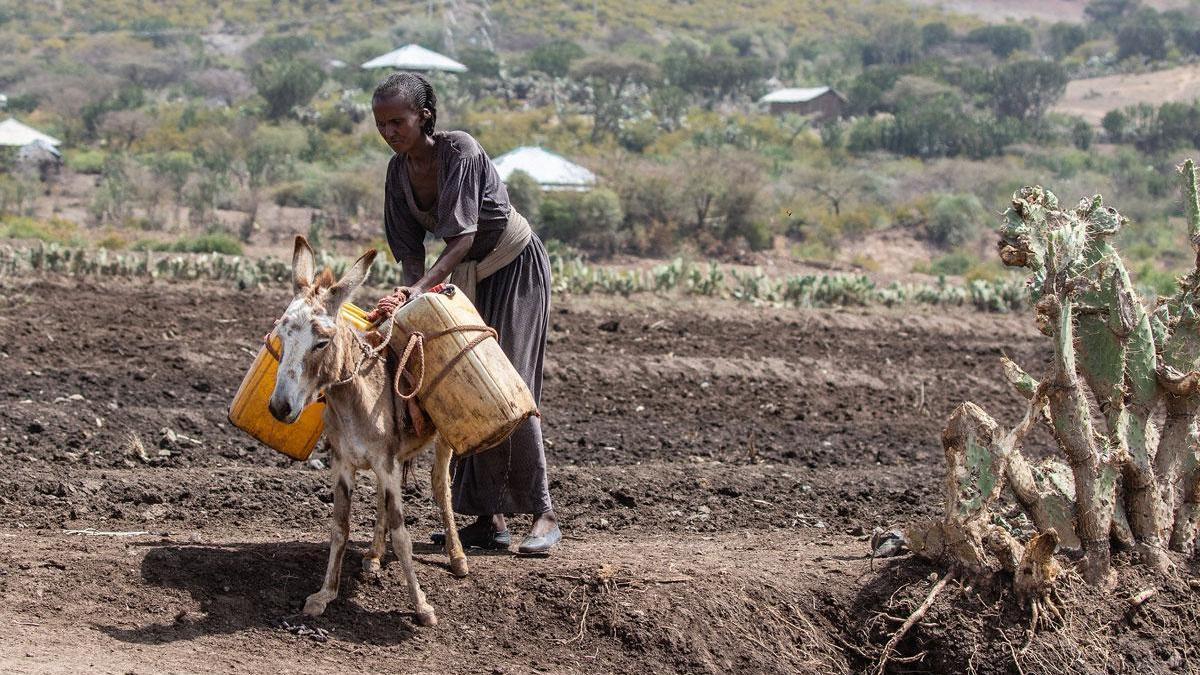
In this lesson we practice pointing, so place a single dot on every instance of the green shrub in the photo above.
(589, 219)
(213, 242)
(85, 161)
(953, 264)
(525, 193)
(55, 230)
(954, 220)
(310, 194)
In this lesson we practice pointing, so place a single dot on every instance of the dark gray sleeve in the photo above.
(460, 192)
(405, 236)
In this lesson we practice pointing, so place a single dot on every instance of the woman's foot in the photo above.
(483, 533)
(542, 536)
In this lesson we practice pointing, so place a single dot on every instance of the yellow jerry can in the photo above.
(469, 388)
(249, 412)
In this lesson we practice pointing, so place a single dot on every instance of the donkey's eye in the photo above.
(320, 344)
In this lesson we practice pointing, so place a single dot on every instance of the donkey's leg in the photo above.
(390, 484)
(441, 492)
(343, 485)
(372, 561)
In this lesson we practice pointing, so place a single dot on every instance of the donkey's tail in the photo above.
(406, 470)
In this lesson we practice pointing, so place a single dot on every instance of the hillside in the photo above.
(511, 25)
(1091, 98)
(1018, 10)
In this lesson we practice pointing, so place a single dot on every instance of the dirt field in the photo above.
(717, 470)
(1045, 10)
(1092, 98)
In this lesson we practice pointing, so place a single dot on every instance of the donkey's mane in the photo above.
(323, 281)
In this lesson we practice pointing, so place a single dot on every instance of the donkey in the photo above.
(319, 353)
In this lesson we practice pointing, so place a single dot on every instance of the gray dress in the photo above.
(511, 477)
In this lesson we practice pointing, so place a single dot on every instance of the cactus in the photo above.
(1177, 329)
(1126, 486)
(1117, 360)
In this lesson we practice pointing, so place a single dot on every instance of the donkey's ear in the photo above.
(304, 264)
(351, 280)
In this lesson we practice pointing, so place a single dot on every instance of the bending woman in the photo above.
(443, 183)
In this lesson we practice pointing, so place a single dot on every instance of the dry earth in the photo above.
(717, 468)
(1092, 98)
(1017, 10)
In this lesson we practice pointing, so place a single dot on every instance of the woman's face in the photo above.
(398, 123)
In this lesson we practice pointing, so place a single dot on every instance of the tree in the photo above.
(866, 93)
(1143, 34)
(285, 84)
(555, 57)
(954, 220)
(713, 72)
(589, 219)
(1003, 39)
(935, 34)
(611, 78)
(1081, 134)
(1108, 13)
(524, 193)
(1116, 125)
(896, 43)
(1064, 38)
(224, 84)
(1024, 90)
(121, 128)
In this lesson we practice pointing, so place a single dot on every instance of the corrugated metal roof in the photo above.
(794, 95)
(415, 57)
(548, 169)
(13, 132)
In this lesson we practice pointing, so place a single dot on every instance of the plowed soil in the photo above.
(717, 469)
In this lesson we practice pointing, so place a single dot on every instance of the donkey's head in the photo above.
(311, 356)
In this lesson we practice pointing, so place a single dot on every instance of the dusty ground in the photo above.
(1045, 10)
(717, 470)
(1094, 97)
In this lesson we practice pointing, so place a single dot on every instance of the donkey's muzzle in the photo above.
(280, 410)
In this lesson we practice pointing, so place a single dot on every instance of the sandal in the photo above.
(543, 544)
(477, 535)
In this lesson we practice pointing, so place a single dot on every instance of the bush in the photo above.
(55, 230)
(525, 193)
(952, 264)
(85, 161)
(310, 194)
(954, 220)
(1116, 126)
(213, 242)
(590, 220)
(286, 84)
(1002, 39)
(1081, 134)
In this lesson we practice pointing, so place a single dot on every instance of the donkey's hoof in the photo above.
(458, 567)
(315, 605)
(427, 617)
(371, 565)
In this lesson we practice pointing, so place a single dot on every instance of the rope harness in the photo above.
(414, 346)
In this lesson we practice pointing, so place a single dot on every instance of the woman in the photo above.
(444, 183)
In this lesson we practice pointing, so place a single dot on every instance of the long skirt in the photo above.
(511, 477)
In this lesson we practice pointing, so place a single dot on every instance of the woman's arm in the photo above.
(456, 249)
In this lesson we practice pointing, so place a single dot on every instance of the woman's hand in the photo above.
(388, 304)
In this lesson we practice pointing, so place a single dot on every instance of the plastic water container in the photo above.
(249, 412)
(468, 387)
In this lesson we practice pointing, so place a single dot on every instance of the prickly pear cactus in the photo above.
(1177, 332)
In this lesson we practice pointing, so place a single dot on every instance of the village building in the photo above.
(551, 171)
(415, 57)
(822, 103)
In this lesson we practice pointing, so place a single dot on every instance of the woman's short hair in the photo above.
(415, 90)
